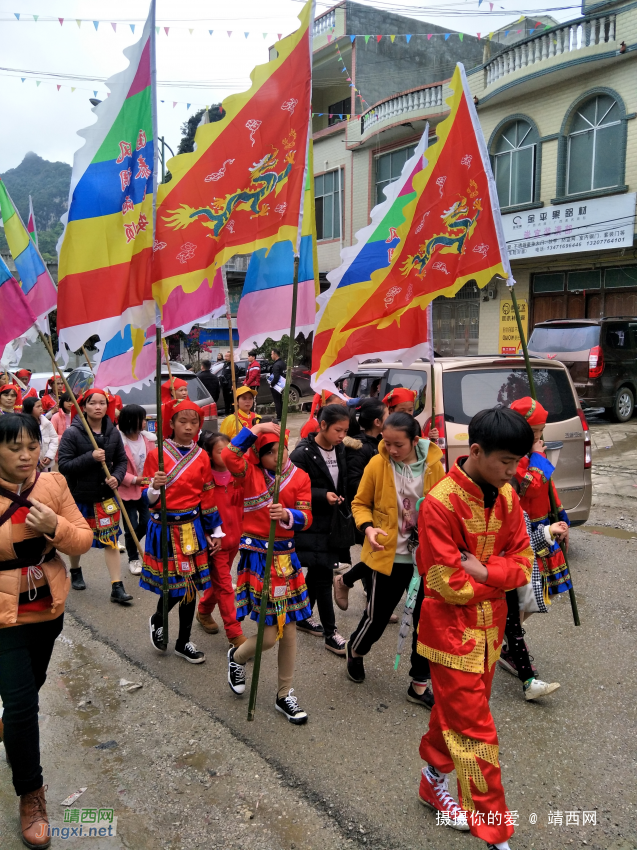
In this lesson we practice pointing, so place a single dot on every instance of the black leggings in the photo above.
(25, 652)
(186, 616)
(515, 638)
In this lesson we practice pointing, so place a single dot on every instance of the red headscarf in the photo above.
(532, 411)
(399, 395)
(18, 402)
(265, 440)
(84, 397)
(172, 408)
(23, 374)
(166, 392)
(320, 400)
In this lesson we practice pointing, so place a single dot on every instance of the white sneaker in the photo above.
(121, 546)
(537, 688)
(135, 567)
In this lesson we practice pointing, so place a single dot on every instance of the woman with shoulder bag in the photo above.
(81, 465)
(38, 519)
(323, 546)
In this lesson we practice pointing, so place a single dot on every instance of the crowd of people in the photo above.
(476, 544)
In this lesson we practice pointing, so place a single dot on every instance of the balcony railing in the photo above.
(556, 42)
(325, 23)
(401, 104)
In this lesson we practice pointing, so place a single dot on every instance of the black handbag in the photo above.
(342, 528)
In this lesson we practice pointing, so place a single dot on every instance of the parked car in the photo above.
(600, 354)
(82, 378)
(299, 387)
(465, 385)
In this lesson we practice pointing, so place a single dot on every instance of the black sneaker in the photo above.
(77, 579)
(336, 644)
(190, 652)
(289, 705)
(156, 635)
(355, 666)
(426, 698)
(310, 627)
(236, 673)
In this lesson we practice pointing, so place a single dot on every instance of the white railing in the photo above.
(325, 23)
(401, 104)
(566, 39)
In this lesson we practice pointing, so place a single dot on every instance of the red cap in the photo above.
(532, 411)
(265, 440)
(166, 394)
(399, 395)
(172, 407)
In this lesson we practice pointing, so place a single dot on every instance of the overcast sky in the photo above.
(206, 68)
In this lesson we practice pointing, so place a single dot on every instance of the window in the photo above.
(548, 283)
(595, 146)
(388, 168)
(583, 281)
(411, 379)
(561, 339)
(339, 111)
(329, 204)
(515, 162)
(614, 278)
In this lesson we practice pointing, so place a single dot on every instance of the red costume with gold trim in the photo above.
(461, 629)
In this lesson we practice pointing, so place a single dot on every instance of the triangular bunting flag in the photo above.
(35, 18)
(61, 20)
(491, 7)
(229, 33)
(506, 32)
(329, 37)
(366, 39)
(521, 19)
(37, 82)
(59, 87)
(378, 38)
(429, 36)
(23, 78)
(265, 35)
(114, 26)
(447, 34)
(132, 28)
(78, 21)
(352, 38)
(17, 14)
(279, 35)
(392, 37)
(166, 30)
(478, 36)
(190, 30)
(157, 30)
(174, 103)
(95, 94)
(461, 36)
(211, 31)
(246, 34)
(72, 89)
(408, 38)
(349, 79)
(539, 24)
(96, 24)
(187, 106)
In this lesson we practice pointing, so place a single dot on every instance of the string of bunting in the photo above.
(23, 17)
(348, 77)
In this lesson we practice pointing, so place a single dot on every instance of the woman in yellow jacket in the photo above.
(384, 508)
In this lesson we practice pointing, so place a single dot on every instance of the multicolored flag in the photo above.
(107, 245)
(242, 188)
(31, 228)
(16, 315)
(266, 300)
(35, 280)
(452, 234)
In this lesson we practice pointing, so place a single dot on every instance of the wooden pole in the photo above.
(88, 359)
(170, 371)
(265, 593)
(162, 495)
(234, 377)
(554, 513)
(91, 436)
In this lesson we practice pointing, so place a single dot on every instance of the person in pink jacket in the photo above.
(137, 446)
(62, 419)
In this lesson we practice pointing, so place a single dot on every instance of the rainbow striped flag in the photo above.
(242, 188)
(107, 245)
(266, 300)
(35, 280)
(16, 315)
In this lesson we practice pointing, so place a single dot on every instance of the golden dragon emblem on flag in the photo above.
(264, 179)
(460, 224)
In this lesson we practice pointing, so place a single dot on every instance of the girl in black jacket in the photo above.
(327, 541)
(359, 451)
(81, 465)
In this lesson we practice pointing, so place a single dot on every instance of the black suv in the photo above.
(601, 355)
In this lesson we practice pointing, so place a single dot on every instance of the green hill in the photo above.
(48, 184)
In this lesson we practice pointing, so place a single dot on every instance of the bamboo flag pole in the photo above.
(554, 513)
(170, 371)
(162, 494)
(47, 343)
(88, 359)
(234, 377)
(265, 593)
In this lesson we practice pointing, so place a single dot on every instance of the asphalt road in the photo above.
(355, 765)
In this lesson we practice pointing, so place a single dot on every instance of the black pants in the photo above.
(319, 578)
(186, 616)
(384, 594)
(228, 401)
(278, 402)
(25, 652)
(514, 634)
(359, 572)
(139, 513)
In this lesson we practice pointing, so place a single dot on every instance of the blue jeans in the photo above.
(139, 513)
(25, 652)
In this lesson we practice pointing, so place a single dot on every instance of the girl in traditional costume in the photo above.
(193, 525)
(10, 399)
(252, 456)
(247, 418)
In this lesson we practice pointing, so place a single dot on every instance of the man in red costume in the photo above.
(473, 548)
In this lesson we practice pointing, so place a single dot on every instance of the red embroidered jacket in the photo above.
(194, 486)
(462, 620)
(295, 493)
